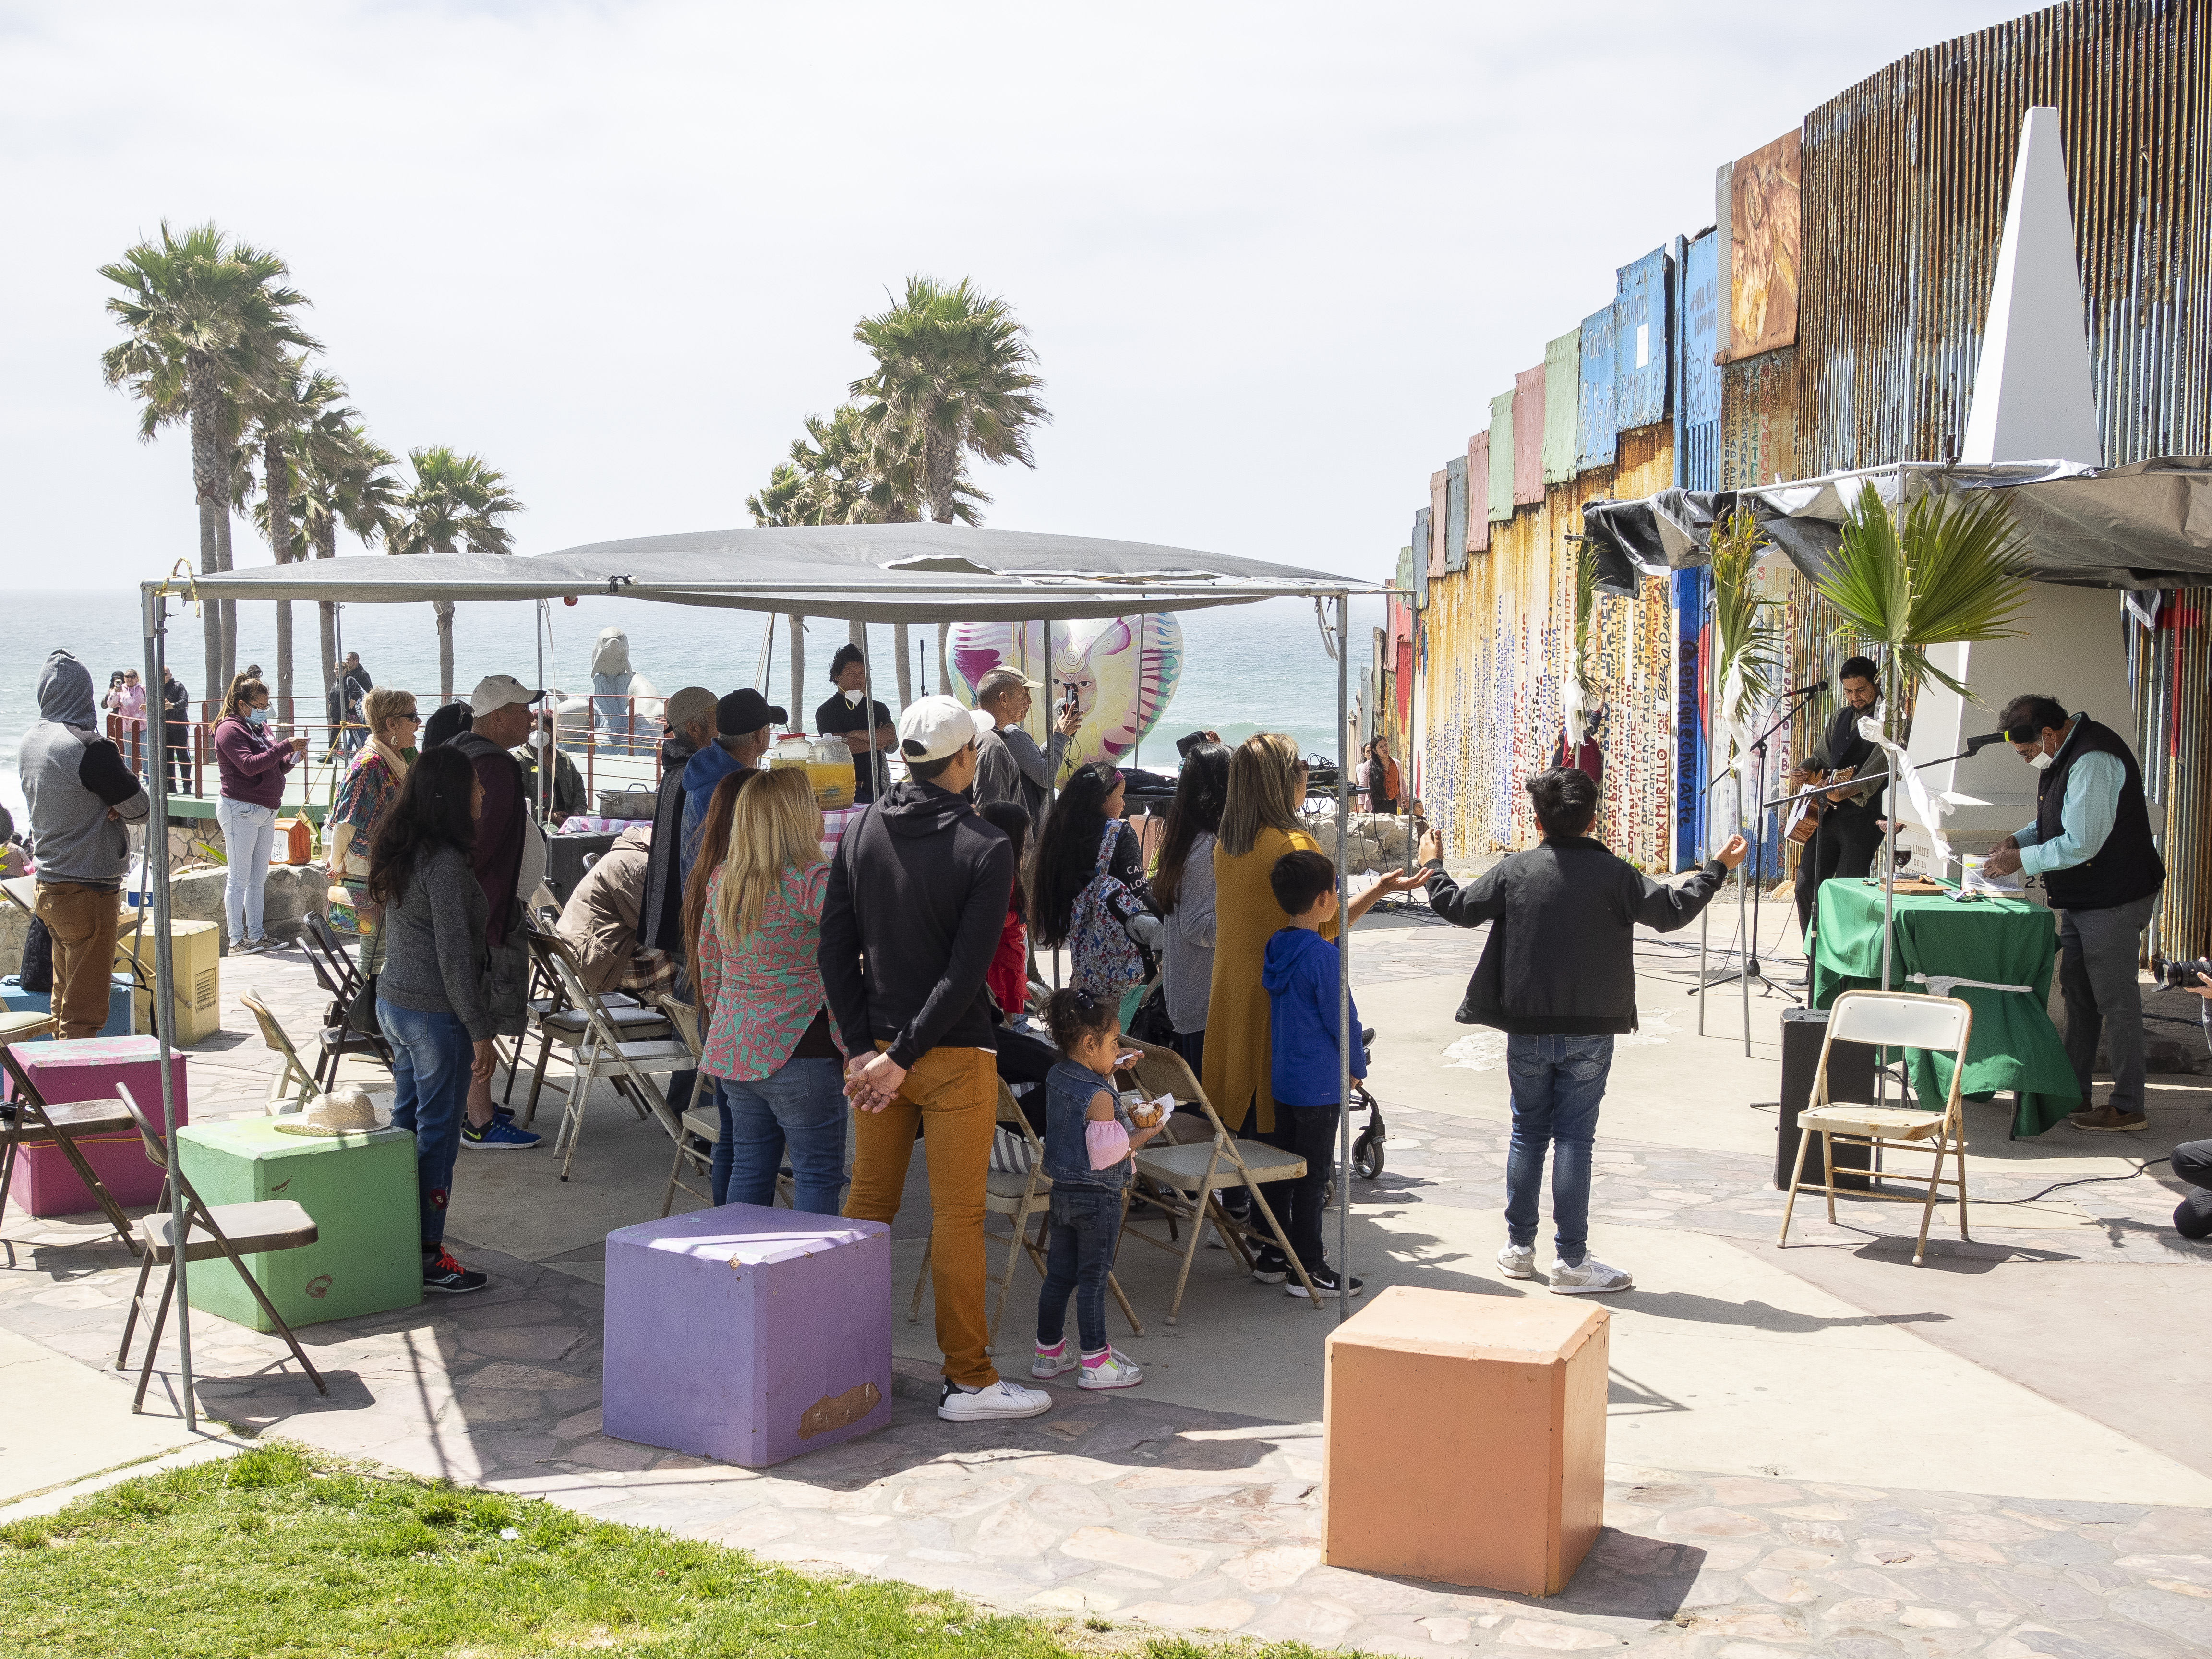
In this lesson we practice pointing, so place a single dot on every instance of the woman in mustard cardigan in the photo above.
(1258, 825)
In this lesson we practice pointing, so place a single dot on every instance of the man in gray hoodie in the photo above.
(82, 797)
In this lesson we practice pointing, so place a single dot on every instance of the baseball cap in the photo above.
(687, 706)
(1003, 679)
(496, 691)
(744, 711)
(937, 727)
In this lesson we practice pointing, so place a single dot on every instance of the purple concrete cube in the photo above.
(748, 1334)
(88, 1068)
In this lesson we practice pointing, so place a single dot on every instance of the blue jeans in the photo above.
(1086, 1221)
(800, 1105)
(1558, 1083)
(249, 834)
(431, 1054)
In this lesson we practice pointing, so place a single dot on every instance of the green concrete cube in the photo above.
(360, 1188)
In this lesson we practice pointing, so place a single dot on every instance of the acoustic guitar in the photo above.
(1831, 793)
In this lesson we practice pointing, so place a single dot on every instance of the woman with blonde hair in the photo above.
(252, 766)
(372, 784)
(769, 1045)
(1258, 825)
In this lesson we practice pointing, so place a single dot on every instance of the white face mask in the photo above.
(2041, 763)
(852, 699)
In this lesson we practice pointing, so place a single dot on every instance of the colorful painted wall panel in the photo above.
(1594, 424)
(1456, 513)
(1562, 406)
(1764, 248)
(1528, 436)
(1439, 519)
(1639, 342)
(1478, 494)
(1420, 551)
(1501, 457)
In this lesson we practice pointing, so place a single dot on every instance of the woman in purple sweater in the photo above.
(252, 766)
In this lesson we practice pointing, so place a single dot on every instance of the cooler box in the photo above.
(195, 955)
(89, 1069)
(360, 1188)
(39, 1002)
(747, 1335)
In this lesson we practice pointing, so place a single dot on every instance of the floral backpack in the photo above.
(1107, 962)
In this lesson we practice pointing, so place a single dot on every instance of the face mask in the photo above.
(538, 740)
(852, 699)
(2040, 763)
(258, 716)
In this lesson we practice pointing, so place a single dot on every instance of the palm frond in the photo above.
(1748, 646)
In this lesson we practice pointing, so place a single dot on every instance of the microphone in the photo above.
(1807, 690)
(1975, 745)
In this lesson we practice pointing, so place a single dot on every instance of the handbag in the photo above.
(360, 1013)
(38, 969)
(1150, 1023)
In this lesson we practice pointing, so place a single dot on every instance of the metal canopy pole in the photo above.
(1343, 969)
(153, 608)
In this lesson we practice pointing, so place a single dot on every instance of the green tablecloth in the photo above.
(2014, 1046)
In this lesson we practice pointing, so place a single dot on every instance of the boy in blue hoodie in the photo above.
(1307, 1075)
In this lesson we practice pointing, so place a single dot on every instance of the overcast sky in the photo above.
(1274, 258)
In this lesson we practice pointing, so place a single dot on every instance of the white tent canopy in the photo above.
(909, 573)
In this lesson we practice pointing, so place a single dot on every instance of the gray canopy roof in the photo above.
(2145, 524)
(912, 573)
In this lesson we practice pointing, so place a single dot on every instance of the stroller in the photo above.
(1367, 1148)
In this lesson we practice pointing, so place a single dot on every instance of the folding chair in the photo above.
(37, 1123)
(335, 972)
(294, 1080)
(1183, 1179)
(634, 1066)
(702, 1127)
(1898, 1019)
(231, 1230)
(556, 1020)
(1017, 1197)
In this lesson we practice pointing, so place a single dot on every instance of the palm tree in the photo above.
(203, 317)
(955, 371)
(455, 499)
(345, 481)
(284, 411)
(782, 503)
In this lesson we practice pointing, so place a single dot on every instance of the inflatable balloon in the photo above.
(1123, 670)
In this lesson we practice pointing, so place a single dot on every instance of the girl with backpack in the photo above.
(1089, 892)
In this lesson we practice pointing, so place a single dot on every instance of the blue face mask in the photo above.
(258, 716)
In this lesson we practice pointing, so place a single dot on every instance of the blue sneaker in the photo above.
(497, 1136)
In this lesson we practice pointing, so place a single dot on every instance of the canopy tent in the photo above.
(2147, 525)
(911, 572)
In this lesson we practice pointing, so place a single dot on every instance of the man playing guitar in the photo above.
(1848, 829)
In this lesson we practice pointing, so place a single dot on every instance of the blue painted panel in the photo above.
(1701, 313)
(1690, 590)
(1594, 423)
(1639, 343)
(1456, 512)
(1421, 559)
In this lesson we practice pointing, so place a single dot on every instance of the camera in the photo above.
(2176, 975)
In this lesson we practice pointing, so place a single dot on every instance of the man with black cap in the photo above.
(499, 719)
(744, 726)
(691, 727)
(2092, 845)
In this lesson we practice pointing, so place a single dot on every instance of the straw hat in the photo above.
(344, 1111)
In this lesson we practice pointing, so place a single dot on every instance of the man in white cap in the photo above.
(918, 891)
(499, 718)
(1009, 765)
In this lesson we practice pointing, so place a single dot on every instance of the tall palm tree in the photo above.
(955, 370)
(454, 500)
(344, 481)
(203, 316)
(282, 412)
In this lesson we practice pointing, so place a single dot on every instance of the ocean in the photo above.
(1246, 668)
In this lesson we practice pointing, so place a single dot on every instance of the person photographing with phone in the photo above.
(252, 764)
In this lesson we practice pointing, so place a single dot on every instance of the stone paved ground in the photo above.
(1138, 1510)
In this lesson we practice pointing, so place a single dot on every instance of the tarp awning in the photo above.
(2143, 526)
(911, 572)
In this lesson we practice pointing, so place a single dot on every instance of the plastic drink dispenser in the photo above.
(828, 764)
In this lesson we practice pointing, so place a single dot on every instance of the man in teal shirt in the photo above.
(2091, 843)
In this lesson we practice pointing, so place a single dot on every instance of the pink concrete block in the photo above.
(747, 1335)
(88, 1068)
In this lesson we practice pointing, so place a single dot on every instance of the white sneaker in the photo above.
(1114, 1369)
(1593, 1277)
(1518, 1261)
(1054, 1362)
(1001, 1400)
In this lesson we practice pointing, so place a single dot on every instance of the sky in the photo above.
(1274, 259)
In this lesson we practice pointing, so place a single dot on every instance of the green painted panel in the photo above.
(1501, 457)
(1562, 388)
(360, 1189)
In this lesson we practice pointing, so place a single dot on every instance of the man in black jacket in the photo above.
(1850, 832)
(916, 900)
(1557, 976)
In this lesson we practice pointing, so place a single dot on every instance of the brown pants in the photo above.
(83, 920)
(953, 1094)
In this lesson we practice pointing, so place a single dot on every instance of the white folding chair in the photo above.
(634, 1067)
(557, 1022)
(1893, 1019)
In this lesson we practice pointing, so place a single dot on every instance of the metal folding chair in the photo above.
(37, 1123)
(558, 1021)
(336, 972)
(633, 1066)
(231, 1230)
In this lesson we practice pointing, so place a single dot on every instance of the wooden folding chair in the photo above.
(1017, 1197)
(558, 1022)
(293, 1081)
(233, 1232)
(1183, 1180)
(37, 1123)
(1896, 1019)
(634, 1066)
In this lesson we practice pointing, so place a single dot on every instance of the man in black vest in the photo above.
(1851, 830)
(2091, 844)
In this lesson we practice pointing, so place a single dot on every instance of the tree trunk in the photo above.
(284, 711)
(905, 664)
(276, 490)
(940, 470)
(445, 610)
(797, 670)
(944, 658)
(326, 547)
(229, 606)
(204, 388)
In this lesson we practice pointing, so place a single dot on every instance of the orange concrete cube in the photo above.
(1463, 1439)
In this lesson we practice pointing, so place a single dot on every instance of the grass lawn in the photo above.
(279, 1552)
